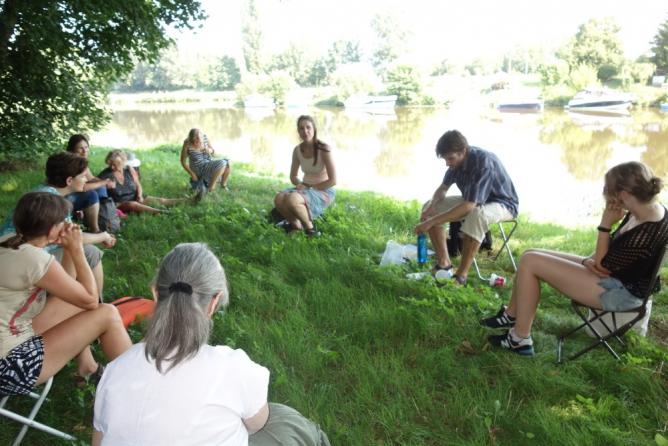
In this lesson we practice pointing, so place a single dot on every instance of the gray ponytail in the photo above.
(189, 277)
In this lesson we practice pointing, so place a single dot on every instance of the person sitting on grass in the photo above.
(66, 174)
(95, 189)
(175, 388)
(197, 161)
(315, 192)
(488, 197)
(614, 278)
(46, 316)
(128, 193)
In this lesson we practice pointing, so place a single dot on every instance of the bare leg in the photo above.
(91, 214)
(569, 278)
(165, 201)
(298, 213)
(282, 204)
(215, 178)
(54, 312)
(65, 340)
(133, 206)
(98, 271)
(469, 249)
(562, 255)
(98, 275)
(226, 175)
(438, 241)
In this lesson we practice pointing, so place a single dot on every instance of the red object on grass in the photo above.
(134, 308)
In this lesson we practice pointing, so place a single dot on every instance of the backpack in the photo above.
(108, 219)
(134, 308)
(454, 241)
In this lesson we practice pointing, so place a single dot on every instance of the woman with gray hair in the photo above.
(174, 388)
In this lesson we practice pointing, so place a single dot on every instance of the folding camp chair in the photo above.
(505, 237)
(603, 330)
(29, 421)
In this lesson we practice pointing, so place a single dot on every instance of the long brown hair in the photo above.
(35, 214)
(317, 144)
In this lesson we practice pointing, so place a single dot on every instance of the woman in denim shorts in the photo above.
(614, 278)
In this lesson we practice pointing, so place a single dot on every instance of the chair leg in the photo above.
(29, 421)
(506, 238)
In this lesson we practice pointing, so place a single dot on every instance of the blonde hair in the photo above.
(116, 154)
(635, 178)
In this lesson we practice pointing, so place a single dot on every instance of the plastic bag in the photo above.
(393, 255)
(622, 318)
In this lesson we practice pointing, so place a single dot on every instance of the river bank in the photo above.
(372, 357)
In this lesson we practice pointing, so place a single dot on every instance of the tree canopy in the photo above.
(60, 57)
(660, 48)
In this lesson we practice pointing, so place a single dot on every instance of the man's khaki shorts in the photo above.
(478, 221)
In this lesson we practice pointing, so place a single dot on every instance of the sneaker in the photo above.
(522, 347)
(500, 320)
(313, 232)
(460, 280)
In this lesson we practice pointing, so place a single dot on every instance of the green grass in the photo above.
(374, 358)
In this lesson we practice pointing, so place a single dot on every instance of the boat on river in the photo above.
(601, 99)
(664, 107)
(521, 105)
(371, 102)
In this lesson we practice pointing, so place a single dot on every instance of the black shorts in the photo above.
(21, 367)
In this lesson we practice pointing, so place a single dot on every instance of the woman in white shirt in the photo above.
(174, 388)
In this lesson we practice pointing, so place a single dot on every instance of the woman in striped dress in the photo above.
(200, 165)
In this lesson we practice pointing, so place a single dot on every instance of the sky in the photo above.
(456, 30)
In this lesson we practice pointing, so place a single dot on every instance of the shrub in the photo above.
(349, 79)
(405, 82)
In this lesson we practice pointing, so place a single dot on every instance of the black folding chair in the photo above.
(590, 315)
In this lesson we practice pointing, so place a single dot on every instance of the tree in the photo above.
(252, 40)
(595, 44)
(59, 59)
(391, 41)
(227, 73)
(660, 48)
(405, 82)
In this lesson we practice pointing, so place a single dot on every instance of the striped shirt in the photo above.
(482, 179)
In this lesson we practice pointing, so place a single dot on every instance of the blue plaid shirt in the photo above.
(482, 179)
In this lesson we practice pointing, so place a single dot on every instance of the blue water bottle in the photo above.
(422, 248)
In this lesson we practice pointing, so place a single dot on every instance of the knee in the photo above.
(294, 199)
(110, 315)
(278, 199)
(528, 258)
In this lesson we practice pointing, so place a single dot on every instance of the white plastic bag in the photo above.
(622, 318)
(393, 255)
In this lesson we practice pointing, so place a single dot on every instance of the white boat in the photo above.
(664, 107)
(258, 101)
(600, 99)
(370, 102)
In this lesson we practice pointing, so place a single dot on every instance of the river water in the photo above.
(556, 158)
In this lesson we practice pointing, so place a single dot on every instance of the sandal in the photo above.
(313, 232)
(92, 379)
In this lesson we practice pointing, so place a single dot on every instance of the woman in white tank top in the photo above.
(312, 194)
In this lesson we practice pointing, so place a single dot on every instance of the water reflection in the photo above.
(557, 159)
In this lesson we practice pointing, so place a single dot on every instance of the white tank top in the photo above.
(313, 174)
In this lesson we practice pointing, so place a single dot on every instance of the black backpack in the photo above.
(454, 241)
(108, 220)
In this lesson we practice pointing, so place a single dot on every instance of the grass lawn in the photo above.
(374, 358)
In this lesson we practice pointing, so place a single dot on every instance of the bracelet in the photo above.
(603, 229)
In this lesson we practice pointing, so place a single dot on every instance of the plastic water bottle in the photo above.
(422, 248)
(496, 281)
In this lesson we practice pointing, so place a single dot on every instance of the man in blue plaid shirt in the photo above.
(487, 197)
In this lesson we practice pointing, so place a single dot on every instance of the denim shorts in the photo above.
(21, 367)
(616, 297)
(86, 199)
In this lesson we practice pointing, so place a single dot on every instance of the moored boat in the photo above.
(368, 101)
(600, 99)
